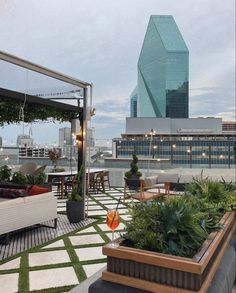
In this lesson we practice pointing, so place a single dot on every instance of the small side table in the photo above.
(144, 196)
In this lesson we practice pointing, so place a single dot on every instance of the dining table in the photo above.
(63, 176)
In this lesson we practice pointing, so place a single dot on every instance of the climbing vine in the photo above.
(9, 112)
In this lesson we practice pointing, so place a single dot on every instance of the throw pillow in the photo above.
(34, 190)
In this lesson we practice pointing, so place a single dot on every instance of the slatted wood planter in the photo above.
(157, 272)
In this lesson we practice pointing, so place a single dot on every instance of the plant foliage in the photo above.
(133, 168)
(179, 225)
(5, 173)
(9, 110)
(77, 189)
(19, 178)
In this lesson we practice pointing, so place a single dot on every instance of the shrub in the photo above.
(19, 178)
(171, 227)
(133, 168)
(5, 173)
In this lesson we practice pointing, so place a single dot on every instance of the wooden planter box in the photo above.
(157, 272)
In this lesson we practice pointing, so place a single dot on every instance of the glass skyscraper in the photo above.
(133, 103)
(163, 71)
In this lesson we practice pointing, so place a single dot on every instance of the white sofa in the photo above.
(26, 211)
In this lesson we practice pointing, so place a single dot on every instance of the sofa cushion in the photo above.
(34, 190)
(164, 177)
(149, 181)
(12, 192)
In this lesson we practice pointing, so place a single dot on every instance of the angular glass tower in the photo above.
(133, 103)
(163, 71)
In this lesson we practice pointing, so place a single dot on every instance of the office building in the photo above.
(192, 142)
(133, 103)
(163, 71)
(24, 140)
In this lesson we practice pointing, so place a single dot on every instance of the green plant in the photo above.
(19, 178)
(39, 179)
(133, 168)
(77, 189)
(212, 194)
(171, 227)
(5, 173)
(228, 185)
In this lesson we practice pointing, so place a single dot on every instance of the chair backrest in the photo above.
(28, 168)
(39, 170)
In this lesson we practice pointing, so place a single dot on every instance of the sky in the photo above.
(99, 41)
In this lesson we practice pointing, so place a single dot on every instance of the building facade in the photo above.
(133, 103)
(163, 71)
(193, 142)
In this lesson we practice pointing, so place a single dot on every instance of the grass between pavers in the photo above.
(24, 269)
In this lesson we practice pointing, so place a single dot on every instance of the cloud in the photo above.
(100, 41)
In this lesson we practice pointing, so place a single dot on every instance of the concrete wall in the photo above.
(174, 125)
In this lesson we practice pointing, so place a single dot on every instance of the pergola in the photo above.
(43, 108)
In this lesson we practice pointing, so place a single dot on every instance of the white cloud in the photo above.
(100, 41)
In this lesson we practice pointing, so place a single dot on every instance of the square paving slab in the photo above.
(86, 239)
(52, 278)
(48, 258)
(9, 283)
(89, 253)
(59, 243)
(87, 230)
(12, 264)
(93, 268)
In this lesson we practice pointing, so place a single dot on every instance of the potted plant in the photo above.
(174, 245)
(75, 202)
(132, 177)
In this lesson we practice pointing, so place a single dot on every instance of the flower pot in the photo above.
(133, 182)
(157, 272)
(75, 211)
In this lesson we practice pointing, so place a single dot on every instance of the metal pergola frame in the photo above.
(37, 100)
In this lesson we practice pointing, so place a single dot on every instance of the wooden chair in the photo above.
(106, 179)
(99, 181)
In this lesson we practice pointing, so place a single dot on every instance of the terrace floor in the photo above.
(40, 260)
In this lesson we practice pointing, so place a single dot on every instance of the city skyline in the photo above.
(93, 44)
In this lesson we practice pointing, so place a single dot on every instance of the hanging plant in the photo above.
(9, 112)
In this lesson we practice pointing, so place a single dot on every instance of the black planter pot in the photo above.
(75, 211)
(133, 183)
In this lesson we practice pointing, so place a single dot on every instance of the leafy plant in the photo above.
(228, 185)
(39, 179)
(5, 173)
(171, 227)
(77, 189)
(19, 178)
(212, 194)
(10, 112)
(133, 168)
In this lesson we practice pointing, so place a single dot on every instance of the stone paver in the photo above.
(93, 268)
(50, 278)
(95, 207)
(12, 264)
(48, 257)
(58, 243)
(89, 253)
(86, 239)
(9, 283)
(111, 201)
(98, 213)
(87, 230)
